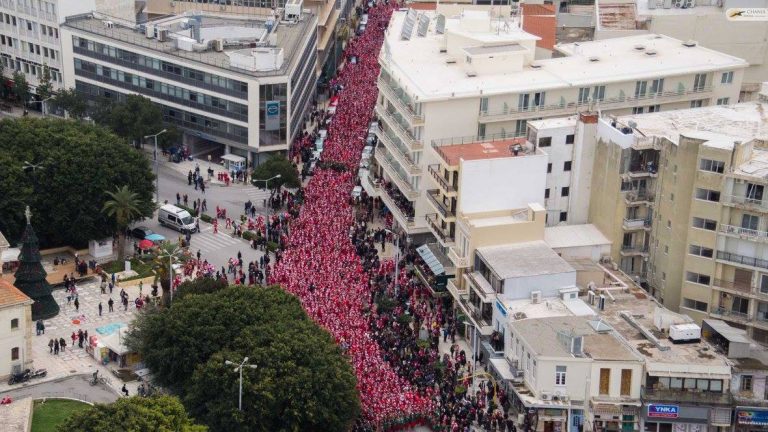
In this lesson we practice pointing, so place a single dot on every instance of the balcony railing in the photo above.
(397, 212)
(447, 187)
(732, 285)
(402, 183)
(744, 232)
(514, 113)
(634, 196)
(401, 132)
(632, 224)
(404, 108)
(695, 397)
(404, 159)
(741, 259)
(471, 139)
(432, 195)
(434, 226)
(634, 249)
(725, 312)
(454, 289)
(753, 203)
(458, 261)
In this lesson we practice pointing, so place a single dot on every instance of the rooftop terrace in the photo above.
(453, 150)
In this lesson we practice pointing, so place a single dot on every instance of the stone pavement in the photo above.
(16, 416)
(73, 387)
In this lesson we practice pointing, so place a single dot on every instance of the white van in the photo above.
(176, 218)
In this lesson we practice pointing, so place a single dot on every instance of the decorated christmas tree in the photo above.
(30, 277)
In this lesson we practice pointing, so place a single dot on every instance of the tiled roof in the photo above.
(540, 19)
(10, 295)
(423, 5)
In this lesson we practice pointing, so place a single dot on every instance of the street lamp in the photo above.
(239, 368)
(266, 186)
(157, 175)
(397, 259)
(171, 254)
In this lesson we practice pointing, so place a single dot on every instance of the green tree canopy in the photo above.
(80, 163)
(135, 414)
(21, 87)
(72, 102)
(123, 206)
(132, 118)
(302, 380)
(276, 165)
(44, 86)
(199, 286)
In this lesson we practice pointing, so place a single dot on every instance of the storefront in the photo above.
(608, 417)
(750, 419)
(664, 417)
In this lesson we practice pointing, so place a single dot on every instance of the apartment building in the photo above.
(239, 85)
(473, 78)
(30, 39)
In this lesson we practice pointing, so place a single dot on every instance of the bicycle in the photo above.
(98, 380)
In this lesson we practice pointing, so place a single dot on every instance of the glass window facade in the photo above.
(279, 93)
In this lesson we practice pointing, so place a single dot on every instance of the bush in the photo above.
(249, 235)
(271, 246)
(460, 390)
(205, 218)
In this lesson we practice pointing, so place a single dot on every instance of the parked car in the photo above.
(367, 152)
(141, 232)
(360, 29)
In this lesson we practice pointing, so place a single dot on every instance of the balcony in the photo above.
(403, 107)
(454, 289)
(403, 183)
(400, 131)
(744, 233)
(483, 324)
(441, 234)
(517, 113)
(403, 158)
(741, 259)
(741, 201)
(458, 261)
(399, 214)
(680, 396)
(634, 250)
(636, 224)
(733, 286)
(636, 197)
(730, 315)
(445, 211)
(447, 188)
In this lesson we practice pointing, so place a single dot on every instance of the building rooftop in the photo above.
(541, 20)
(524, 259)
(10, 295)
(617, 16)
(756, 166)
(554, 122)
(521, 309)
(719, 125)
(431, 68)
(490, 149)
(574, 236)
(257, 39)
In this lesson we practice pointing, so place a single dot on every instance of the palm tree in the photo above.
(124, 208)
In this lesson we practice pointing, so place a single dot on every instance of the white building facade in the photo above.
(15, 329)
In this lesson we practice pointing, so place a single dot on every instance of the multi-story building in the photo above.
(30, 39)
(475, 76)
(238, 84)
(16, 328)
(691, 218)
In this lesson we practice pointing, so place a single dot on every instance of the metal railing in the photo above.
(434, 225)
(636, 223)
(444, 210)
(399, 154)
(746, 201)
(633, 196)
(391, 204)
(626, 249)
(733, 285)
(742, 259)
(723, 311)
(392, 96)
(447, 187)
(458, 261)
(512, 112)
(402, 183)
(393, 124)
(744, 232)
(696, 397)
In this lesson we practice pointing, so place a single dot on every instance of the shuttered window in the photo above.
(605, 381)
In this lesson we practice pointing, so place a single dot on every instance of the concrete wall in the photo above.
(18, 338)
(502, 184)
(549, 285)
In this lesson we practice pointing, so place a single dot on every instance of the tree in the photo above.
(21, 87)
(157, 413)
(276, 165)
(124, 207)
(80, 162)
(72, 102)
(199, 286)
(44, 86)
(302, 380)
(132, 118)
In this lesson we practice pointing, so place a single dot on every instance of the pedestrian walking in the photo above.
(111, 304)
(103, 287)
(125, 390)
(204, 205)
(111, 287)
(62, 344)
(50, 346)
(77, 304)
(202, 186)
(178, 198)
(100, 307)
(56, 348)
(186, 200)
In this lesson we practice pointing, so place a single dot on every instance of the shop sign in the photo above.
(663, 411)
(751, 416)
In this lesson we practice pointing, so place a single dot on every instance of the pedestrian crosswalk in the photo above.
(256, 195)
(207, 241)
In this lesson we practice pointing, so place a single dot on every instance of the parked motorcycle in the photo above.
(26, 375)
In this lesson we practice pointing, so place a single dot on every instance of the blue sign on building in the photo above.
(752, 416)
(501, 308)
(663, 411)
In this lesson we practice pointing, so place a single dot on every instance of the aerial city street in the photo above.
(381, 215)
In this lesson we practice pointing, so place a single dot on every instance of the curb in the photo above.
(55, 380)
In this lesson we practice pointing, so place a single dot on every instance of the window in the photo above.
(723, 101)
(764, 284)
(545, 141)
(546, 193)
(750, 221)
(549, 167)
(565, 191)
(707, 224)
(626, 382)
(484, 105)
(699, 82)
(707, 195)
(563, 216)
(726, 78)
(583, 95)
(746, 383)
(560, 375)
(598, 93)
(15, 324)
(740, 305)
(697, 278)
(567, 166)
(700, 251)
(654, 108)
(657, 86)
(569, 139)
(605, 381)
(15, 353)
(637, 110)
(481, 130)
(697, 103)
(640, 88)
(712, 165)
(694, 304)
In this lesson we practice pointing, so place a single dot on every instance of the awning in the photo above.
(233, 158)
(431, 260)
(501, 367)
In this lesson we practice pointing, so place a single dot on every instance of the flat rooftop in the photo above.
(554, 123)
(423, 70)
(479, 150)
(524, 259)
(719, 125)
(521, 309)
(574, 236)
(289, 36)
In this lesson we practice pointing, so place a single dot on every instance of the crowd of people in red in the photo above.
(319, 263)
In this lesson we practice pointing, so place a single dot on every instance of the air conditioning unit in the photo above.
(591, 297)
(546, 396)
(162, 35)
(601, 302)
(535, 297)
(218, 45)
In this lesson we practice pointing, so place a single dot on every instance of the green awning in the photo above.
(431, 260)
